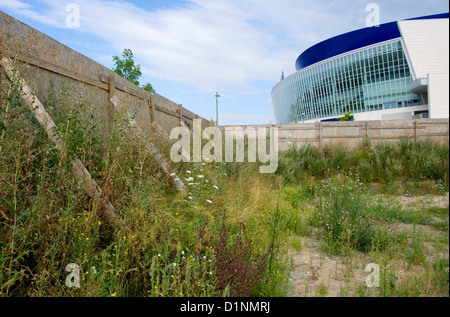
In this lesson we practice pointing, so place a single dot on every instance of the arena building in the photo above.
(397, 70)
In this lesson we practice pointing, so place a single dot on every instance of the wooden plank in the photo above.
(431, 122)
(48, 66)
(112, 86)
(396, 128)
(320, 141)
(112, 92)
(134, 91)
(342, 136)
(144, 96)
(44, 119)
(303, 128)
(173, 113)
(415, 130)
(394, 137)
(432, 134)
(284, 139)
(152, 149)
(370, 139)
(152, 109)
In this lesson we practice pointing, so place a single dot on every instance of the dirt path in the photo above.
(317, 274)
(420, 202)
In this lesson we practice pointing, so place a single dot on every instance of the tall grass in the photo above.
(386, 163)
(346, 216)
(168, 245)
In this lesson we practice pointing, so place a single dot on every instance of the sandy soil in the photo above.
(419, 202)
(317, 274)
(312, 270)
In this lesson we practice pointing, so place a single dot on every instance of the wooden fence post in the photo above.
(370, 140)
(152, 108)
(153, 149)
(415, 131)
(81, 173)
(181, 112)
(320, 140)
(110, 109)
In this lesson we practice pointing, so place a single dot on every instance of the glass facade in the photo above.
(367, 79)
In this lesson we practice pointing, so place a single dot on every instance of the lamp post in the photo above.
(217, 108)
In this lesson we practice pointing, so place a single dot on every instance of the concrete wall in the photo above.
(330, 135)
(51, 63)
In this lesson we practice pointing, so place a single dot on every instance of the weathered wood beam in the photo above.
(152, 149)
(81, 173)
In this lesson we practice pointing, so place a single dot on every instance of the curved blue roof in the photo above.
(353, 40)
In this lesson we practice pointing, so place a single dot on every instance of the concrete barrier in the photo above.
(350, 134)
(52, 64)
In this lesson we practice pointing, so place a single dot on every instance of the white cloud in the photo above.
(221, 44)
(202, 45)
(28, 11)
(14, 5)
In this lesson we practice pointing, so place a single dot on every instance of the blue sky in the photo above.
(189, 49)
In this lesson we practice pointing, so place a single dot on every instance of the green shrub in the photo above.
(343, 214)
(298, 163)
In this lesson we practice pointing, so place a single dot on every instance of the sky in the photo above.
(190, 49)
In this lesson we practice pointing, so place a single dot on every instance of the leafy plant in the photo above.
(126, 67)
(237, 266)
(343, 214)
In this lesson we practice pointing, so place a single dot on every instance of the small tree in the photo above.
(347, 117)
(126, 67)
(149, 88)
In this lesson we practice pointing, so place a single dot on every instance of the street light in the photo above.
(217, 108)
